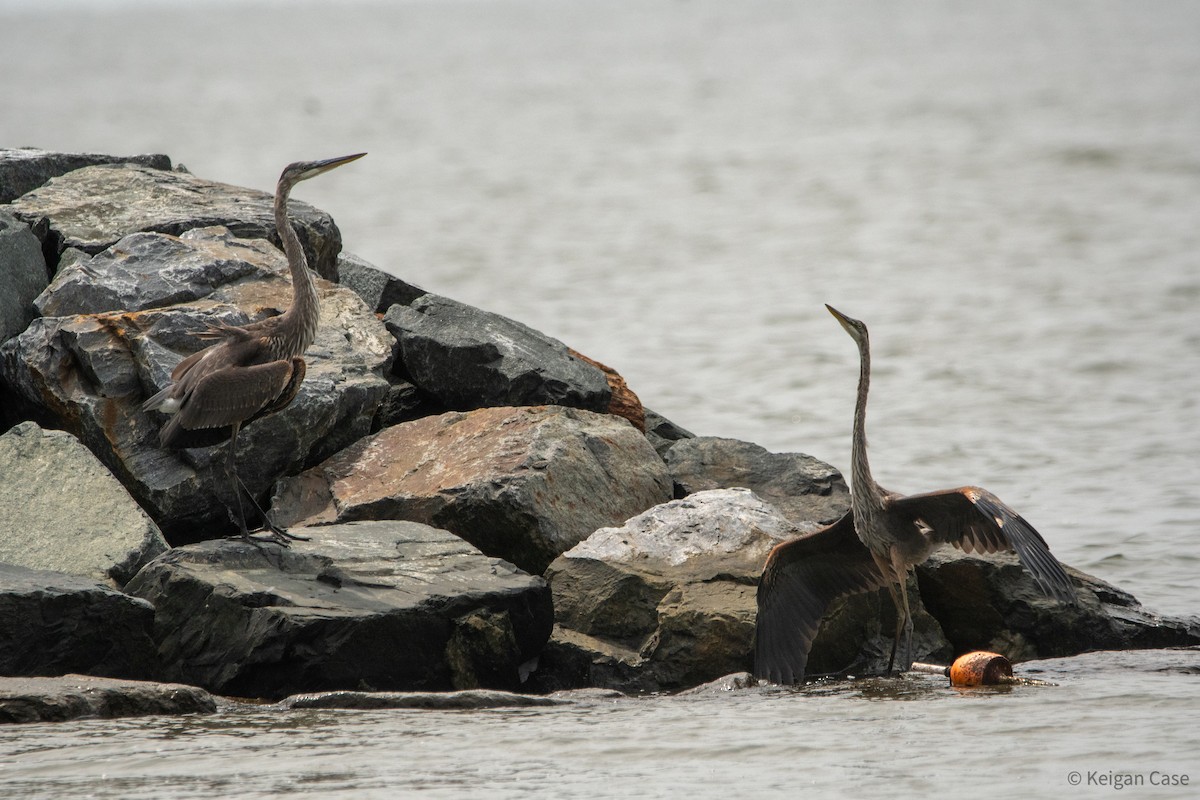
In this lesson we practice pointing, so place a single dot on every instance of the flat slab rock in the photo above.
(52, 623)
(23, 169)
(93, 208)
(94, 529)
(58, 699)
(523, 484)
(370, 605)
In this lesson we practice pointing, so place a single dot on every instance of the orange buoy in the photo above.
(981, 669)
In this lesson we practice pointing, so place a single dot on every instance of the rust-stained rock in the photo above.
(94, 207)
(89, 370)
(523, 484)
(623, 403)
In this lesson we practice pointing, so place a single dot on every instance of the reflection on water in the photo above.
(1006, 192)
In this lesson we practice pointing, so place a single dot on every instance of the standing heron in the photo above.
(250, 370)
(876, 543)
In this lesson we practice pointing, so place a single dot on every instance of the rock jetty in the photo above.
(492, 516)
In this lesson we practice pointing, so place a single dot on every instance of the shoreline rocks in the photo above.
(440, 457)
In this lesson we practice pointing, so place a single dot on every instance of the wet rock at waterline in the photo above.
(805, 490)
(23, 275)
(991, 603)
(52, 623)
(66, 512)
(369, 605)
(95, 207)
(24, 169)
(89, 370)
(57, 699)
(523, 484)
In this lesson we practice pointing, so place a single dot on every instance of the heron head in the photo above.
(303, 170)
(854, 327)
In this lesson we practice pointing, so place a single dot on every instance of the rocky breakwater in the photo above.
(488, 509)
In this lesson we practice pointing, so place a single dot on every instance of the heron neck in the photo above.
(300, 319)
(861, 482)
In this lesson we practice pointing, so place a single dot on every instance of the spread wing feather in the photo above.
(799, 581)
(975, 520)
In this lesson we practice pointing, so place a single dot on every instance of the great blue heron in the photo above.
(874, 544)
(250, 370)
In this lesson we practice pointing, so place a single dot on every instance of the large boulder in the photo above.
(57, 699)
(52, 623)
(379, 290)
(468, 358)
(369, 605)
(69, 513)
(22, 275)
(95, 207)
(667, 601)
(127, 316)
(991, 603)
(806, 490)
(23, 169)
(523, 484)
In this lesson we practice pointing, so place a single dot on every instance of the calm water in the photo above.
(1006, 192)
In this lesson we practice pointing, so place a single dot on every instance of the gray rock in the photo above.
(67, 512)
(468, 358)
(523, 484)
(379, 290)
(74, 696)
(734, 682)
(663, 433)
(95, 207)
(807, 491)
(26, 168)
(667, 601)
(22, 275)
(363, 606)
(52, 623)
(89, 372)
(465, 700)
(991, 603)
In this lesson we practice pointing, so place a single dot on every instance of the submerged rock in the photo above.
(95, 207)
(466, 700)
(89, 369)
(26, 168)
(92, 528)
(74, 696)
(805, 490)
(52, 623)
(523, 484)
(362, 606)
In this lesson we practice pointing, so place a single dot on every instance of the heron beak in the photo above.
(847, 322)
(321, 167)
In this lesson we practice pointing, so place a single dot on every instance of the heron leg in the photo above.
(238, 488)
(901, 570)
(885, 567)
(276, 531)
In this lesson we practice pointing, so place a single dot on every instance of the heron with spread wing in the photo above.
(875, 544)
(251, 370)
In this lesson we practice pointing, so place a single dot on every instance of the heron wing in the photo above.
(229, 396)
(799, 581)
(975, 520)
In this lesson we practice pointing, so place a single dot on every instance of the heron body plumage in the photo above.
(875, 544)
(252, 370)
